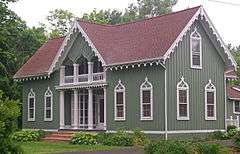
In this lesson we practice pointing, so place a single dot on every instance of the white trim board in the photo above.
(174, 131)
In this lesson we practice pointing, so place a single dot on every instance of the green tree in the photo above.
(96, 17)
(59, 21)
(9, 112)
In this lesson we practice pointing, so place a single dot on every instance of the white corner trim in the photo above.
(75, 25)
(120, 88)
(165, 104)
(48, 93)
(146, 85)
(31, 94)
(191, 52)
(182, 85)
(210, 88)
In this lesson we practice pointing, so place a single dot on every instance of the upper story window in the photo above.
(119, 101)
(182, 100)
(236, 107)
(196, 50)
(48, 113)
(31, 106)
(146, 100)
(210, 101)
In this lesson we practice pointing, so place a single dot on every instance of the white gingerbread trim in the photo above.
(65, 42)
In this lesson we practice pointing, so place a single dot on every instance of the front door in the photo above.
(83, 109)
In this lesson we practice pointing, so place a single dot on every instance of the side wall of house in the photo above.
(39, 87)
(132, 78)
(179, 65)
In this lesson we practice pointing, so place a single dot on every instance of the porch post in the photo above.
(75, 109)
(105, 108)
(62, 74)
(62, 121)
(90, 71)
(90, 109)
(75, 72)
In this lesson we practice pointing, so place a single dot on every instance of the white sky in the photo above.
(225, 17)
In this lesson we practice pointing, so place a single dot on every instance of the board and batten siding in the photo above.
(132, 78)
(39, 87)
(179, 65)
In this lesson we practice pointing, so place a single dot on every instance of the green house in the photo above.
(165, 75)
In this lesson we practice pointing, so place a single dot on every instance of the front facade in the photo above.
(103, 77)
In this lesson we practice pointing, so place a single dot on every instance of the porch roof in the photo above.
(233, 92)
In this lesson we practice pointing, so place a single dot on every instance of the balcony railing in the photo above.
(84, 78)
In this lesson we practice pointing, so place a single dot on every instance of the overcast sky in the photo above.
(224, 16)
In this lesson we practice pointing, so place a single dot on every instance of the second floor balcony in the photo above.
(82, 73)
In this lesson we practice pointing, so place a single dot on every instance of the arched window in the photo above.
(146, 100)
(210, 101)
(182, 100)
(119, 101)
(31, 106)
(196, 50)
(48, 113)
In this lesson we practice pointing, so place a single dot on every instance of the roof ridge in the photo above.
(141, 20)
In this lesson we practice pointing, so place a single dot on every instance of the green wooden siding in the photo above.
(39, 87)
(132, 79)
(212, 68)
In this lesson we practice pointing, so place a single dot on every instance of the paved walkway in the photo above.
(120, 151)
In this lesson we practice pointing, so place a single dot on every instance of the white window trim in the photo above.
(234, 108)
(178, 103)
(215, 108)
(48, 93)
(115, 102)
(191, 55)
(31, 94)
(151, 99)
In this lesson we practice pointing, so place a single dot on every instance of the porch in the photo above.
(83, 109)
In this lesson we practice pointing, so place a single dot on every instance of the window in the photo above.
(196, 50)
(31, 106)
(48, 97)
(182, 100)
(236, 107)
(119, 101)
(210, 101)
(146, 100)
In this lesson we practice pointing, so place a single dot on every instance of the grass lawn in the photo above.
(57, 147)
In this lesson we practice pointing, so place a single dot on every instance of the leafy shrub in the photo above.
(28, 135)
(237, 140)
(9, 112)
(230, 133)
(230, 127)
(219, 135)
(204, 148)
(139, 137)
(167, 147)
(121, 138)
(84, 138)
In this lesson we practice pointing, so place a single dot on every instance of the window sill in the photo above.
(119, 119)
(236, 112)
(31, 120)
(146, 119)
(211, 119)
(183, 118)
(196, 67)
(48, 120)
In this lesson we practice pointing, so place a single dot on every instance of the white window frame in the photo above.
(48, 93)
(234, 107)
(182, 85)
(31, 94)
(120, 88)
(210, 88)
(191, 52)
(144, 88)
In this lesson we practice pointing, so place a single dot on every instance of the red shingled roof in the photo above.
(41, 61)
(231, 74)
(135, 41)
(233, 92)
(141, 40)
